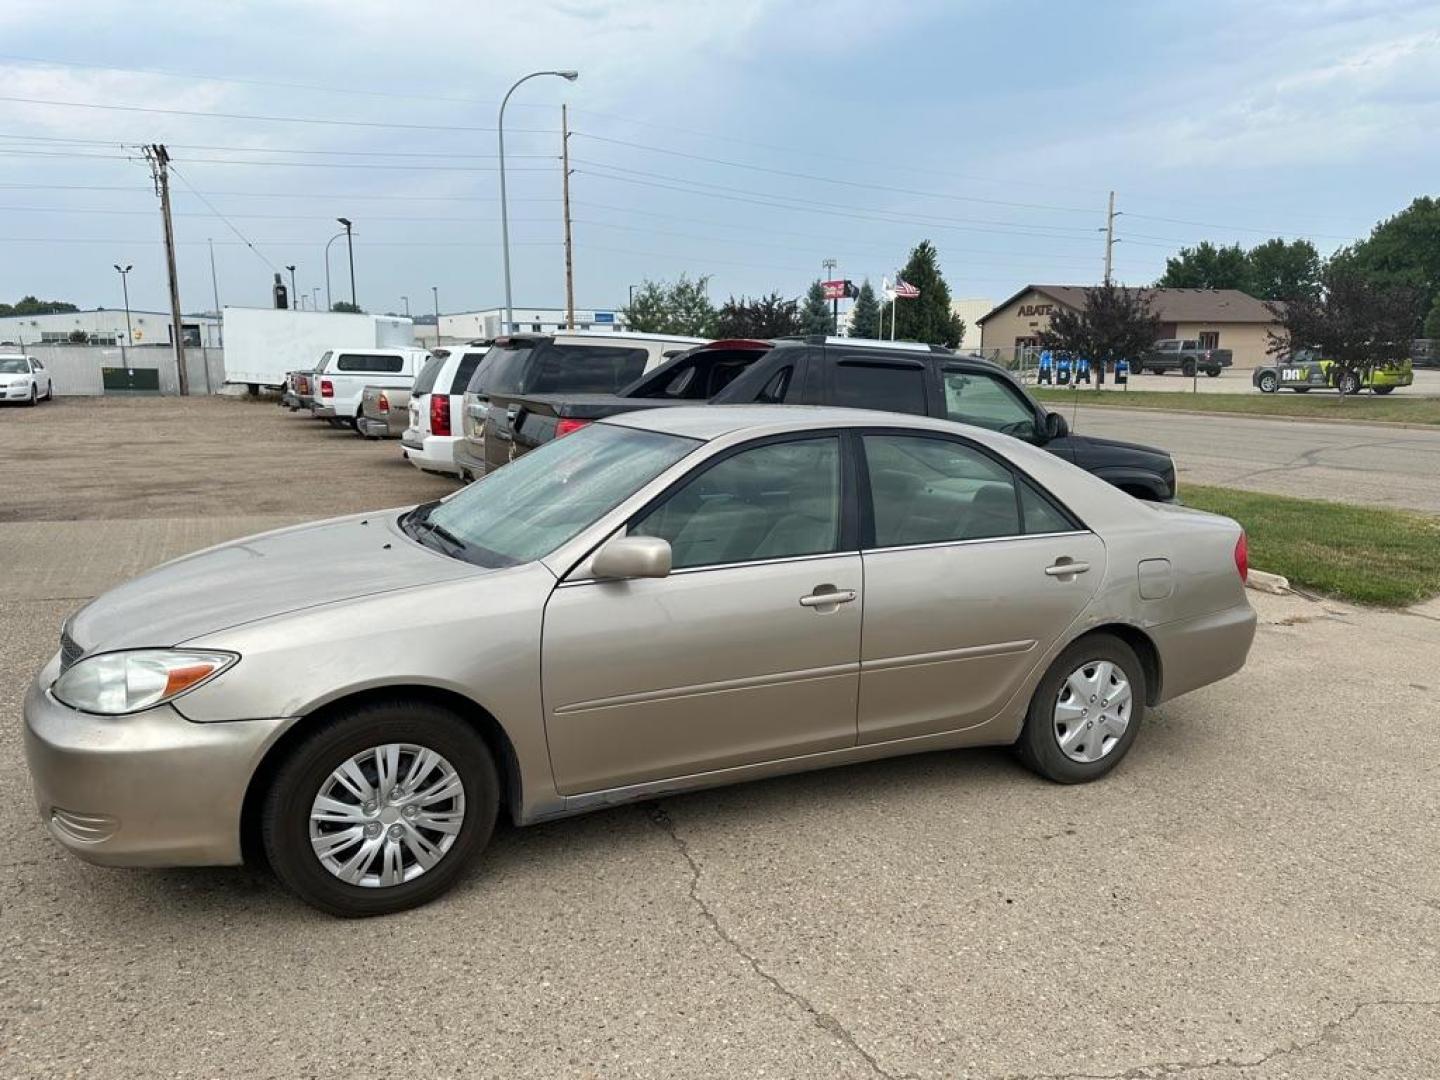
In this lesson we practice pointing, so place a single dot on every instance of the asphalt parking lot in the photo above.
(1254, 893)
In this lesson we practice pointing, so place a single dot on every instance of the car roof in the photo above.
(708, 422)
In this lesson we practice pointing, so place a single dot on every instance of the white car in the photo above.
(343, 374)
(24, 378)
(436, 404)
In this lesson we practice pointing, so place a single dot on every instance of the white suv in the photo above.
(435, 408)
(24, 378)
(342, 375)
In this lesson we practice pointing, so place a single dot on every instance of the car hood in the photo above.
(1107, 447)
(258, 577)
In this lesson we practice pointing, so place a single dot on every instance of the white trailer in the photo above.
(263, 344)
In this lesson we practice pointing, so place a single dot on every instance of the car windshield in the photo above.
(13, 365)
(530, 507)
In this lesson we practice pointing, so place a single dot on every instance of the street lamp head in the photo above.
(344, 221)
(291, 267)
(568, 76)
(124, 271)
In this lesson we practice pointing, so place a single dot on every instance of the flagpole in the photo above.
(895, 299)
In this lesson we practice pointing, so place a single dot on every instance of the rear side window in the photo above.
(468, 363)
(890, 387)
(425, 381)
(390, 365)
(580, 369)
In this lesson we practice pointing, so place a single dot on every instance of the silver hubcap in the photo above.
(387, 815)
(1092, 711)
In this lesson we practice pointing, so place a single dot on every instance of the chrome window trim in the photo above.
(978, 540)
(717, 566)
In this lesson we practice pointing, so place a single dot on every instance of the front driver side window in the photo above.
(769, 502)
(983, 400)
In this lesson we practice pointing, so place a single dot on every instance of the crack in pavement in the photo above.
(823, 1020)
(1158, 1069)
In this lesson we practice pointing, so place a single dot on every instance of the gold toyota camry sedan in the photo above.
(663, 601)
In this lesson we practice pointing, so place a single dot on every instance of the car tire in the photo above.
(386, 826)
(1301, 389)
(49, 391)
(1212, 372)
(1268, 383)
(1381, 389)
(1046, 745)
(1188, 369)
(1349, 383)
(34, 398)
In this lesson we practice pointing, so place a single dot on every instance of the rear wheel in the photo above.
(380, 809)
(1212, 372)
(1086, 711)
(1268, 383)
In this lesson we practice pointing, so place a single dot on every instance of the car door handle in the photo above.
(828, 598)
(1066, 568)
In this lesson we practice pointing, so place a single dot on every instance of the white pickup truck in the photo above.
(342, 375)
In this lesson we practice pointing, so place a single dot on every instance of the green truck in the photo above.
(1304, 370)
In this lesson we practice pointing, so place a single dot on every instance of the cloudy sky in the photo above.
(748, 140)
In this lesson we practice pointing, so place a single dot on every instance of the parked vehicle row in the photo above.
(1305, 370)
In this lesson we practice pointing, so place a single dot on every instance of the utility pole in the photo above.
(159, 159)
(435, 289)
(565, 198)
(406, 301)
(1109, 237)
(215, 286)
(350, 247)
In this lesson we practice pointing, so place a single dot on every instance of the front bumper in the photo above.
(152, 789)
(16, 392)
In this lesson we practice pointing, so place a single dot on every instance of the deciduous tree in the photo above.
(1115, 324)
(679, 307)
(1354, 322)
(1283, 270)
(1206, 266)
(762, 317)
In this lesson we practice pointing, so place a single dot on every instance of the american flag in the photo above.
(904, 290)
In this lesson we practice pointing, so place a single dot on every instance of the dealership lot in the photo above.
(1255, 892)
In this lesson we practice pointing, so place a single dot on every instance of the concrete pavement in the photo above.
(1361, 463)
(1254, 893)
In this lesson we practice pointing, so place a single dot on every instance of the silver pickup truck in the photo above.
(384, 412)
(1185, 356)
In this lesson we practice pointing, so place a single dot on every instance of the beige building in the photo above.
(1217, 318)
(972, 310)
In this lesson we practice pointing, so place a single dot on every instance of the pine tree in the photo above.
(815, 317)
(928, 317)
(865, 316)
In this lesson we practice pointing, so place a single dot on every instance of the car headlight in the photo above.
(113, 684)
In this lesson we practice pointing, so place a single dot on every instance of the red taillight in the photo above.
(439, 414)
(1242, 557)
(383, 403)
(327, 388)
(565, 427)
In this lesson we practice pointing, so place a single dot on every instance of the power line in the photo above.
(285, 194)
(229, 224)
(273, 149)
(816, 178)
(265, 118)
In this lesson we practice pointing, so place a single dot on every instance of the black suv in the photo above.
(894, 376)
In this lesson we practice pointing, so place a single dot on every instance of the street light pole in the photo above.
(125, 288)
(329, 303)
(406, 301)
(350, 247)
(294, 293)
(569, 76)
(435, 289)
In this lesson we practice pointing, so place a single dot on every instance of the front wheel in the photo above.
(1268, 383)
(1086, 711)
(1349, 383)
(34, 397)
(381, 808)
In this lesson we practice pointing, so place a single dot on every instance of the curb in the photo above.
(1263, 581)
(1142, 411)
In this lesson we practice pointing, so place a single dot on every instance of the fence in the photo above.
(77, 370)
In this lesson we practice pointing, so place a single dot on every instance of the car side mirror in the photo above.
(1055, 426)
(632, 557)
